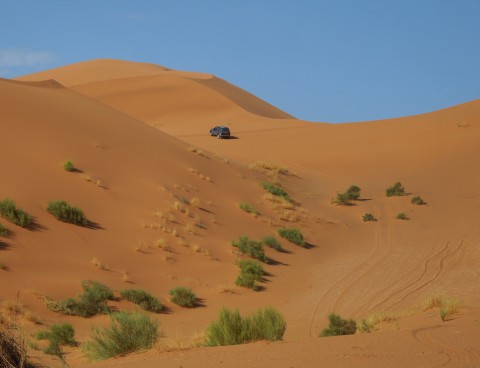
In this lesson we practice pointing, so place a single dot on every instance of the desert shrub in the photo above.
(250, 273)
(396, 190)
(339, 326)
(12, 353)
(127, 332)
(343, 199)
(248, 208)
(9, 210)
(145, 300)
(59, 334)
(251, 248)
(272, 242)
(418, 200)
(3, 230)
(232, 329)
(368, 217)
(445, 304)
(68, 166)
(292, 235)
(64, 212)
(353, 192)
(276, 190)
(183, 297)
(402, 216)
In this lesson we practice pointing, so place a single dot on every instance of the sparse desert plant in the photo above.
(370, 323)
(272, 242)
(248, 208)
(183, 297)
(195, 202)
(293, 235)
(62, 211)
(13, 353)
(418, 201)
(397, 190)
(339, 326)
(58, 335)
(128, 332)
(353, 192)
(9, 210)
(368, 217)
(68, 166)
(343, 199)
(446, 305)
(251, 272)
(402, 216)
(276, 190)
(3, 230)
(145, 300)
(232, 329)
(251, 248)
(97, 263)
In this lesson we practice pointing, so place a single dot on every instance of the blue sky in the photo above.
(319, 60)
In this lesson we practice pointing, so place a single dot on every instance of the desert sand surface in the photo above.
(138, 135)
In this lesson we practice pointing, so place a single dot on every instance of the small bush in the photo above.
(59, 334)
(232, 329)
(3, 230)
(396, 190)
(12, 353)
(402, 216)
(339, 326)
(276, 190)
(250, 273)
(292, 235)
(343, 199)
(9, 210)
(368, 217)
(127, 333)
(418, 201)
(68, 166)
(248, 208)
(251, 248)
(145, 300)
(64, 212)
(183, 297)
(272, 242)
(353, 192)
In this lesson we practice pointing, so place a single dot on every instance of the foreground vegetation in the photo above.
(15, 215)
(339, 326)
(293, 235)
(145, 300)
(251, 248)
(251, 273)
(62, 211)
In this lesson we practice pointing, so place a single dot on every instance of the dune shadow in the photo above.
(200, 303)
(35, 226)
(233, 137)
(260, 287)
(75, 170)
(309, 245)
(205, 210)
(93, 225)
(283, 250)
(4, 246)
(363, 199)
(165, 310)
(274, 262)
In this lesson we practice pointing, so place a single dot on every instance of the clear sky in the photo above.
(319, 60)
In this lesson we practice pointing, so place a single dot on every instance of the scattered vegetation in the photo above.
(12, 354)
(271, 169)
(276, 190)
(353, 192)
(402, 216)
(58, 335)
(251, 272)
(145, 300)
(62, 211)
(9, 210)
(346, 198)
(418, 201)
(370, 323)
(368, 217)
(248, 208)
(272, 242)
(3, 230)
(251, 248)
(68, 166)
(292, 235)
(127, 332)
(397, 190)
(446, 305)
(339, 326)
(232, 329)
(183, 297)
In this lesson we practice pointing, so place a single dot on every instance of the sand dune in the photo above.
(139, 134)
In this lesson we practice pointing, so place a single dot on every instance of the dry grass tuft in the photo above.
(375, 321)
(198, 151)
(98, 264)
(190, 228)
(92, 180)
(195, 202)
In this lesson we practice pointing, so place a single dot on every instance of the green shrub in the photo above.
(402, 216)
(250, 273)
(251, 248)
(418, 200)
(183, 297)
(272, 242)
(145, 300)
(128, 332)
(68, 166)
(343, 199)
(9, 210)
(353, 192)
(396, 190)
(64, 212)
(276, 190)
(232, 329)
(59, 334)
(248, 208)
(339, 326)
(3, 230)
(292, 235)
(368, 217)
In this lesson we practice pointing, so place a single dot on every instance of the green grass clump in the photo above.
(397, 190)
(292, 235)
(68, 166)
(353, 192)
(233, 329)
(402, 216)
(272, 242)
(93, 301)
(145, 300)
(9, 210)
(58, 335)
(251, 248)
(183, 297)
(368, 217)
(128, 332)
(276, 190)
(251, 272)
(418, 201)
(3, 230)
(346, 198)
(248, 208)
(339, 326)
(64, 212)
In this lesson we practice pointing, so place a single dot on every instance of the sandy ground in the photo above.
(138, 134)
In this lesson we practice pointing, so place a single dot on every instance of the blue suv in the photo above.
(220, 131)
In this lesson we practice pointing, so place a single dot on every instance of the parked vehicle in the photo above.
(220, 132)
